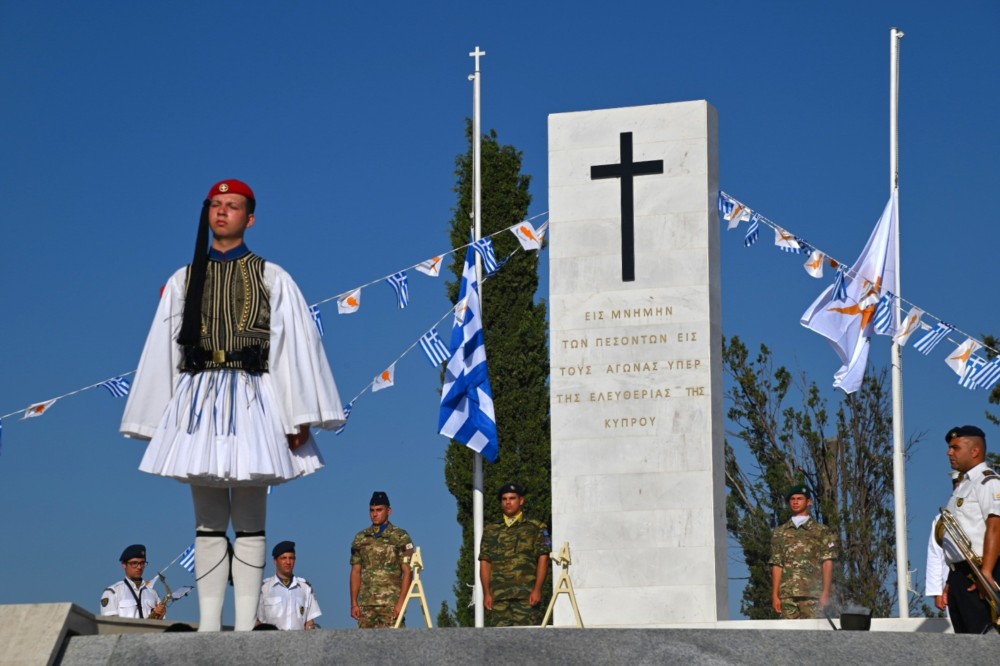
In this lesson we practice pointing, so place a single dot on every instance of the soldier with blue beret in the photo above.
(975, 506)
(131, 596)
(286, 600)
(802, 556)
(380, 568)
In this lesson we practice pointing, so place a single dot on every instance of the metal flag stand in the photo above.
(416, 591)
(563, 586)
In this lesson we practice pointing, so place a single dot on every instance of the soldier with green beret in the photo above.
(513, 563)
(380, 568)
(802, 556)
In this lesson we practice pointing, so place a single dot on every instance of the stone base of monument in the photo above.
(36, 633)
(66, 634)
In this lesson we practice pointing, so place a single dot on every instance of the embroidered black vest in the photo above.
(235, 318)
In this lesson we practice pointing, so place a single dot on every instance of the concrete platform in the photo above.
(67, 634)
(445, 647)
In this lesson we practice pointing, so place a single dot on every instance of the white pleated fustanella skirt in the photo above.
(222, 428)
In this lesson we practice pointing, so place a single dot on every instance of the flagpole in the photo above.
(477, 458)
(898, 460)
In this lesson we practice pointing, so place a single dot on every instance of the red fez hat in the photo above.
(231, 186)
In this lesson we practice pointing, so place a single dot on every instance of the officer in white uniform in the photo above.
(975, 503)
(130, 597)
(286, 600)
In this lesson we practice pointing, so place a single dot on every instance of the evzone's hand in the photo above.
(299, 438)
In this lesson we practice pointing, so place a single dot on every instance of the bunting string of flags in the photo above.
(433, 346)
(975, 371)
(529, 237)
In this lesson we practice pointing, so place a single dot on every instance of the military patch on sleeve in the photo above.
(302, 610)
(104, 602)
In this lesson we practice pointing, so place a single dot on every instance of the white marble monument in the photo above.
(636, 388)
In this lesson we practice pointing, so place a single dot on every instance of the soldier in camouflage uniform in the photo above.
(513, 564)
(802, 555)
(380, 568)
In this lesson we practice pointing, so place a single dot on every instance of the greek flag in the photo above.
(988, 375)
(317, 317)
(840, 286)
(753, 231)
(883, 315)
(484, 246)
(187, 559)
(467, 398)
(118, 387)
(434, 347)
(399, 284)
(347, 413)
(927, 343)
(972, 368)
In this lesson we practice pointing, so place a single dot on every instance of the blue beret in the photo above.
(282, 548)
(379, 498)
(135, 550)
(964, 431)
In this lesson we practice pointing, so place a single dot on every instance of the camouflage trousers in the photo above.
(799, 608)
(514, 613)
(378, 617)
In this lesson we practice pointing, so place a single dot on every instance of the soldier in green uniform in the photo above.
(802, 556)
(513, 564)
(380, 568)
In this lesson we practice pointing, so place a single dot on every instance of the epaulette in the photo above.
(989, 475)
(303, 581)
(109, 589)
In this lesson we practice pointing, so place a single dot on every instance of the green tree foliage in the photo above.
(446, 618)
(516, 348)
(845, 457)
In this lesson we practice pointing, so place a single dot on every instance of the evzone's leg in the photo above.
(249, 513)
(211, 553)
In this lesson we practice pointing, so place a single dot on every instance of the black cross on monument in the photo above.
(626, 171)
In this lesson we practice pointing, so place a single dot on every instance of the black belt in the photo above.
(252, 358)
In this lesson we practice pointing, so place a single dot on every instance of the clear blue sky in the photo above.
(346, 119)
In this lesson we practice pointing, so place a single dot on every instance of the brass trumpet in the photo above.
(947, 524)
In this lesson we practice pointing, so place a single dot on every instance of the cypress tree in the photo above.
(515, 331)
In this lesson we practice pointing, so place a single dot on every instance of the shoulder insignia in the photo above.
(990, 475)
